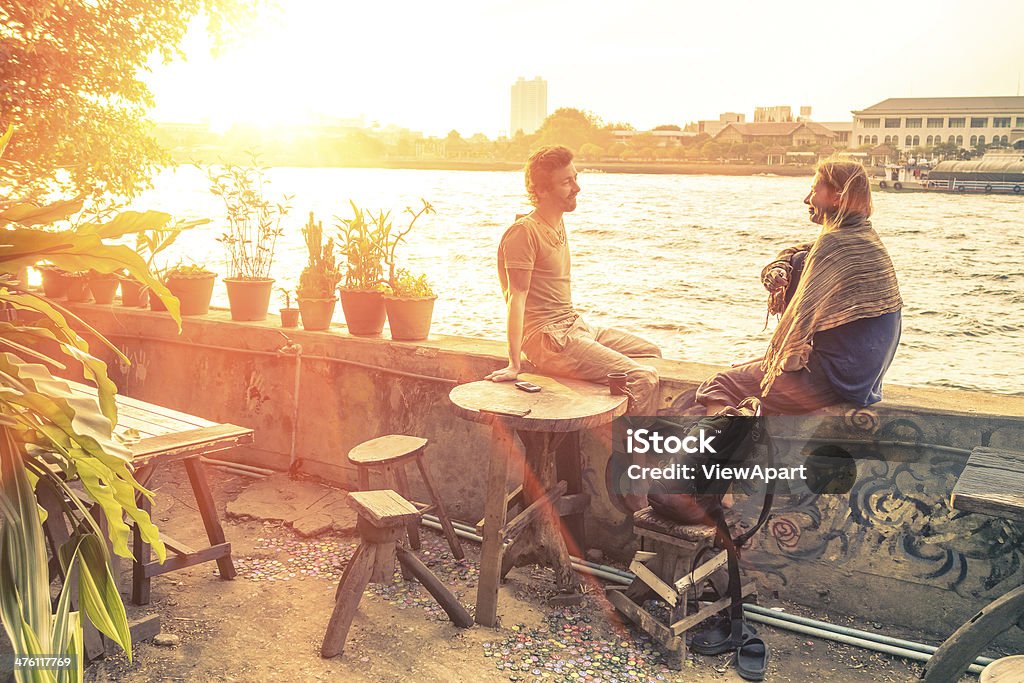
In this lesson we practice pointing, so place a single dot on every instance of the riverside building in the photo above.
(529, 105)
(905, 123)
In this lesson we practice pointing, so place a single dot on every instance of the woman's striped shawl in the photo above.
(848, 276)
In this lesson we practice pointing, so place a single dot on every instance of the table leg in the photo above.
(569, 470)
(502, 444)
(549, 524)
(208, 510)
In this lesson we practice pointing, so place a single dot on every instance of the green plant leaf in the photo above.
(97, 591)
(126, 223)
(30, 214)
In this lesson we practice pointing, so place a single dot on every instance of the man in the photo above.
(839, 306)
(533, 267)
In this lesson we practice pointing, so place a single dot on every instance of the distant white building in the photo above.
(529, 105)
(779, 114)
(907, 122)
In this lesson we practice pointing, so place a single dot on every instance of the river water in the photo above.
(674, 258)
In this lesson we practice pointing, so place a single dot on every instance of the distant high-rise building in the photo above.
(805, 113)
(780, 114)
(732, 117)
(529, 105)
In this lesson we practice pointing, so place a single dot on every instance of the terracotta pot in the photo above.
(78, 288)
(104, 289)
(194, 293)
(54, 284)
(316, 313)
(409, 317)
(133, 294)
(289, 317)
(155, 302)
(249, 299)
(364, 312)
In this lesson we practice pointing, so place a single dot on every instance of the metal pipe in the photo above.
(263, 471)
(240, 473)
(828, 634)
(577, 564)
(853, 632)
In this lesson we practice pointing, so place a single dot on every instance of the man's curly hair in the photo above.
(541, 164)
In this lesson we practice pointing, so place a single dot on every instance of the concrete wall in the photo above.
(891, 549)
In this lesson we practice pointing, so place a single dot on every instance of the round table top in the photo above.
(562, 405)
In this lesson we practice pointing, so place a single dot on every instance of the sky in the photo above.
(450, 64)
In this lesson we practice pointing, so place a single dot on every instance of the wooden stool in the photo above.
(391, 454)
(662, 570)
(382, 517)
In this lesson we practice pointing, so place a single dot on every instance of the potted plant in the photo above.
(77, 286)
(253, 226)
(54, 285)
(410, 306)
(369, 242)
(319, 279)
(193, 285)
(103, 286)
(148, 244)
(363, 244)
(289, 315)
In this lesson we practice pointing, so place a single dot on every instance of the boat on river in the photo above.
(995, 173)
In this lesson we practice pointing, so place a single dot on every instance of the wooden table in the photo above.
(542, 420)
(992, 483)
(167, 436)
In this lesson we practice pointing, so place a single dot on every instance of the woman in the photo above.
(839, 305)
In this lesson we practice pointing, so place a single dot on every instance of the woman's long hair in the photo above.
(849, 181)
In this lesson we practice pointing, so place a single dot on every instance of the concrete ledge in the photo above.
(894, 534)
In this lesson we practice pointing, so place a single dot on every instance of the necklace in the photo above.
(559, 231)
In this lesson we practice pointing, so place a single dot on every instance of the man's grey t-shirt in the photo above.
(531, 245)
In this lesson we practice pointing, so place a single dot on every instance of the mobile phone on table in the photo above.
(528, 387)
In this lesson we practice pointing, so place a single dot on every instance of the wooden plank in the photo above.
(656, 584)
(215, 552)
(698, 575)
(641, 618)
(572, 504)
(192, 442)
(992, 483)
(514, 528)
(177, 547)
(144, 411)
(644, 556)
(672, 541)
(685, 624)
(382, 508)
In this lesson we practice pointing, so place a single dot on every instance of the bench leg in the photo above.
(412, 527)
(958, 652)
(208, 510)
(143, 554)
(456, 612)
(442, 512)
(350, 590)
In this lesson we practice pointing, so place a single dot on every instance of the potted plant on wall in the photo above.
(54, 284)
(319, 279)
(289, 315)
(103, 286)
(410, 301)
(253, 226)
(410, 306)
(363, 244)
(369, 242)
(149, 244)
(193, 285)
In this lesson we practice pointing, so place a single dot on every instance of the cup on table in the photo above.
(617, 383)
